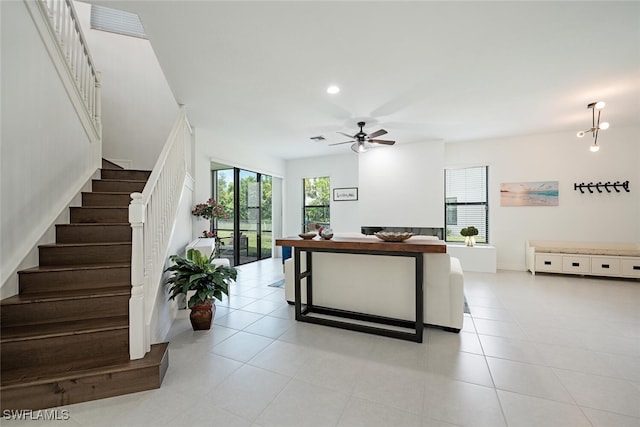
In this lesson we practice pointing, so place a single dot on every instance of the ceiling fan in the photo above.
(361, 138)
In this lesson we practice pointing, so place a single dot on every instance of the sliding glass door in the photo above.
(247, 233)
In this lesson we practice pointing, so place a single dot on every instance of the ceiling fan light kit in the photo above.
(361, 138)
(358, 147)
(596, 125)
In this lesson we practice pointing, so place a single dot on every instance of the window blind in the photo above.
(466, 202)
(116, 21)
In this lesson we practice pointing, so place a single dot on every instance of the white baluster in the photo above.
(98, 103)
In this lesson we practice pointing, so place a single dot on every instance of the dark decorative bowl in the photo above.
(307, 236)
(393, 237)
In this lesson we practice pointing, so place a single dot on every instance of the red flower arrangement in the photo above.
(210, 210)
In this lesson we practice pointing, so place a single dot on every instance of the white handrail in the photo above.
(152, 214)
(64, 26)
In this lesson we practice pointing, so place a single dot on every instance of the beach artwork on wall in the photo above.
(541, 193)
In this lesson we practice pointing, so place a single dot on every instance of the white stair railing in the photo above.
(152, 214)
(61, 24)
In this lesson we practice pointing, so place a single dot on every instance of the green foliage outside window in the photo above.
(316, 202)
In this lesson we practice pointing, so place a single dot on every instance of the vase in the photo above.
(201, 316)
(470, 241)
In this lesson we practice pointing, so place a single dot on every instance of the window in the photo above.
(466, 202)
(316, 203)
(116, 21)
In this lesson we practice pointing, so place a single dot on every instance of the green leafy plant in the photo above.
(195, 272)
(469, 231)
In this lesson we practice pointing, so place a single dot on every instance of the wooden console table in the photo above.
(354, 245)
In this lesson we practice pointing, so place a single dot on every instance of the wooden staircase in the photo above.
(65, 336)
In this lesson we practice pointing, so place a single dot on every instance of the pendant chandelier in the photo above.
(596, 125)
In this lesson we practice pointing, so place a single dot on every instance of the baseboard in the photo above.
(512, 267)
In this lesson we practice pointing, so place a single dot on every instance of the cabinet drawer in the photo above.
(604, 266)
(575, 264)
(549, 262)
(631, 267)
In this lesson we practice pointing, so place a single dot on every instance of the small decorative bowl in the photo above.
(307, 236)
(326, 233)
(393, 237)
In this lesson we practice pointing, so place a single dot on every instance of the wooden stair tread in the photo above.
(59, 329)
(43, 297)
(134, 170)
(94, 224)
(117, 193)
(70, 245)
(70, 267)
(120, 180)
(20, 377)
(101, 207)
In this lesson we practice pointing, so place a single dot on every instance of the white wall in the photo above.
(567, 159)
(45, 154)
(343, 172)
(403, 186)
(209, 148)
(138, 107)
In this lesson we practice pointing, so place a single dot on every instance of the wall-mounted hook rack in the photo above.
(599, 186)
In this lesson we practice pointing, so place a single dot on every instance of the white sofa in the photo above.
(584, 258)
(384, 285)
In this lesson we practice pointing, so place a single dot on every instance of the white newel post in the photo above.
(138, 337)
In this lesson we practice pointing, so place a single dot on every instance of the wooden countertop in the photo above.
(368, 244)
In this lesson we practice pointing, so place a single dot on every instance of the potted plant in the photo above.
(195, 272)
(469, 234)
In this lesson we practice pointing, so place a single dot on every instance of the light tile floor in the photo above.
(544, 350)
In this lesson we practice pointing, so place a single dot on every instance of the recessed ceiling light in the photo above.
(333, 89)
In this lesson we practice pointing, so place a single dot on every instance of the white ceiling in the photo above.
(256, 73)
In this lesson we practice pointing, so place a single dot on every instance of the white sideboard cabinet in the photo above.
(595, 259)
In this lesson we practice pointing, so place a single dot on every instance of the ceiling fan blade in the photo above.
(340, 143)
(381, 141)
(348, 136)
(377, 133)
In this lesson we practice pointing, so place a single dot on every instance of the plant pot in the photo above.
(201, 316)
(470, 241)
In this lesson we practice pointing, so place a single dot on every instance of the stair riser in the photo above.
(83, 389)
(125, 174)
(70, 280)
(110, 346)
(93, 233)
(105, 199)
(64, 310)
(117, 186)
(99, 215)
(81, 255)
